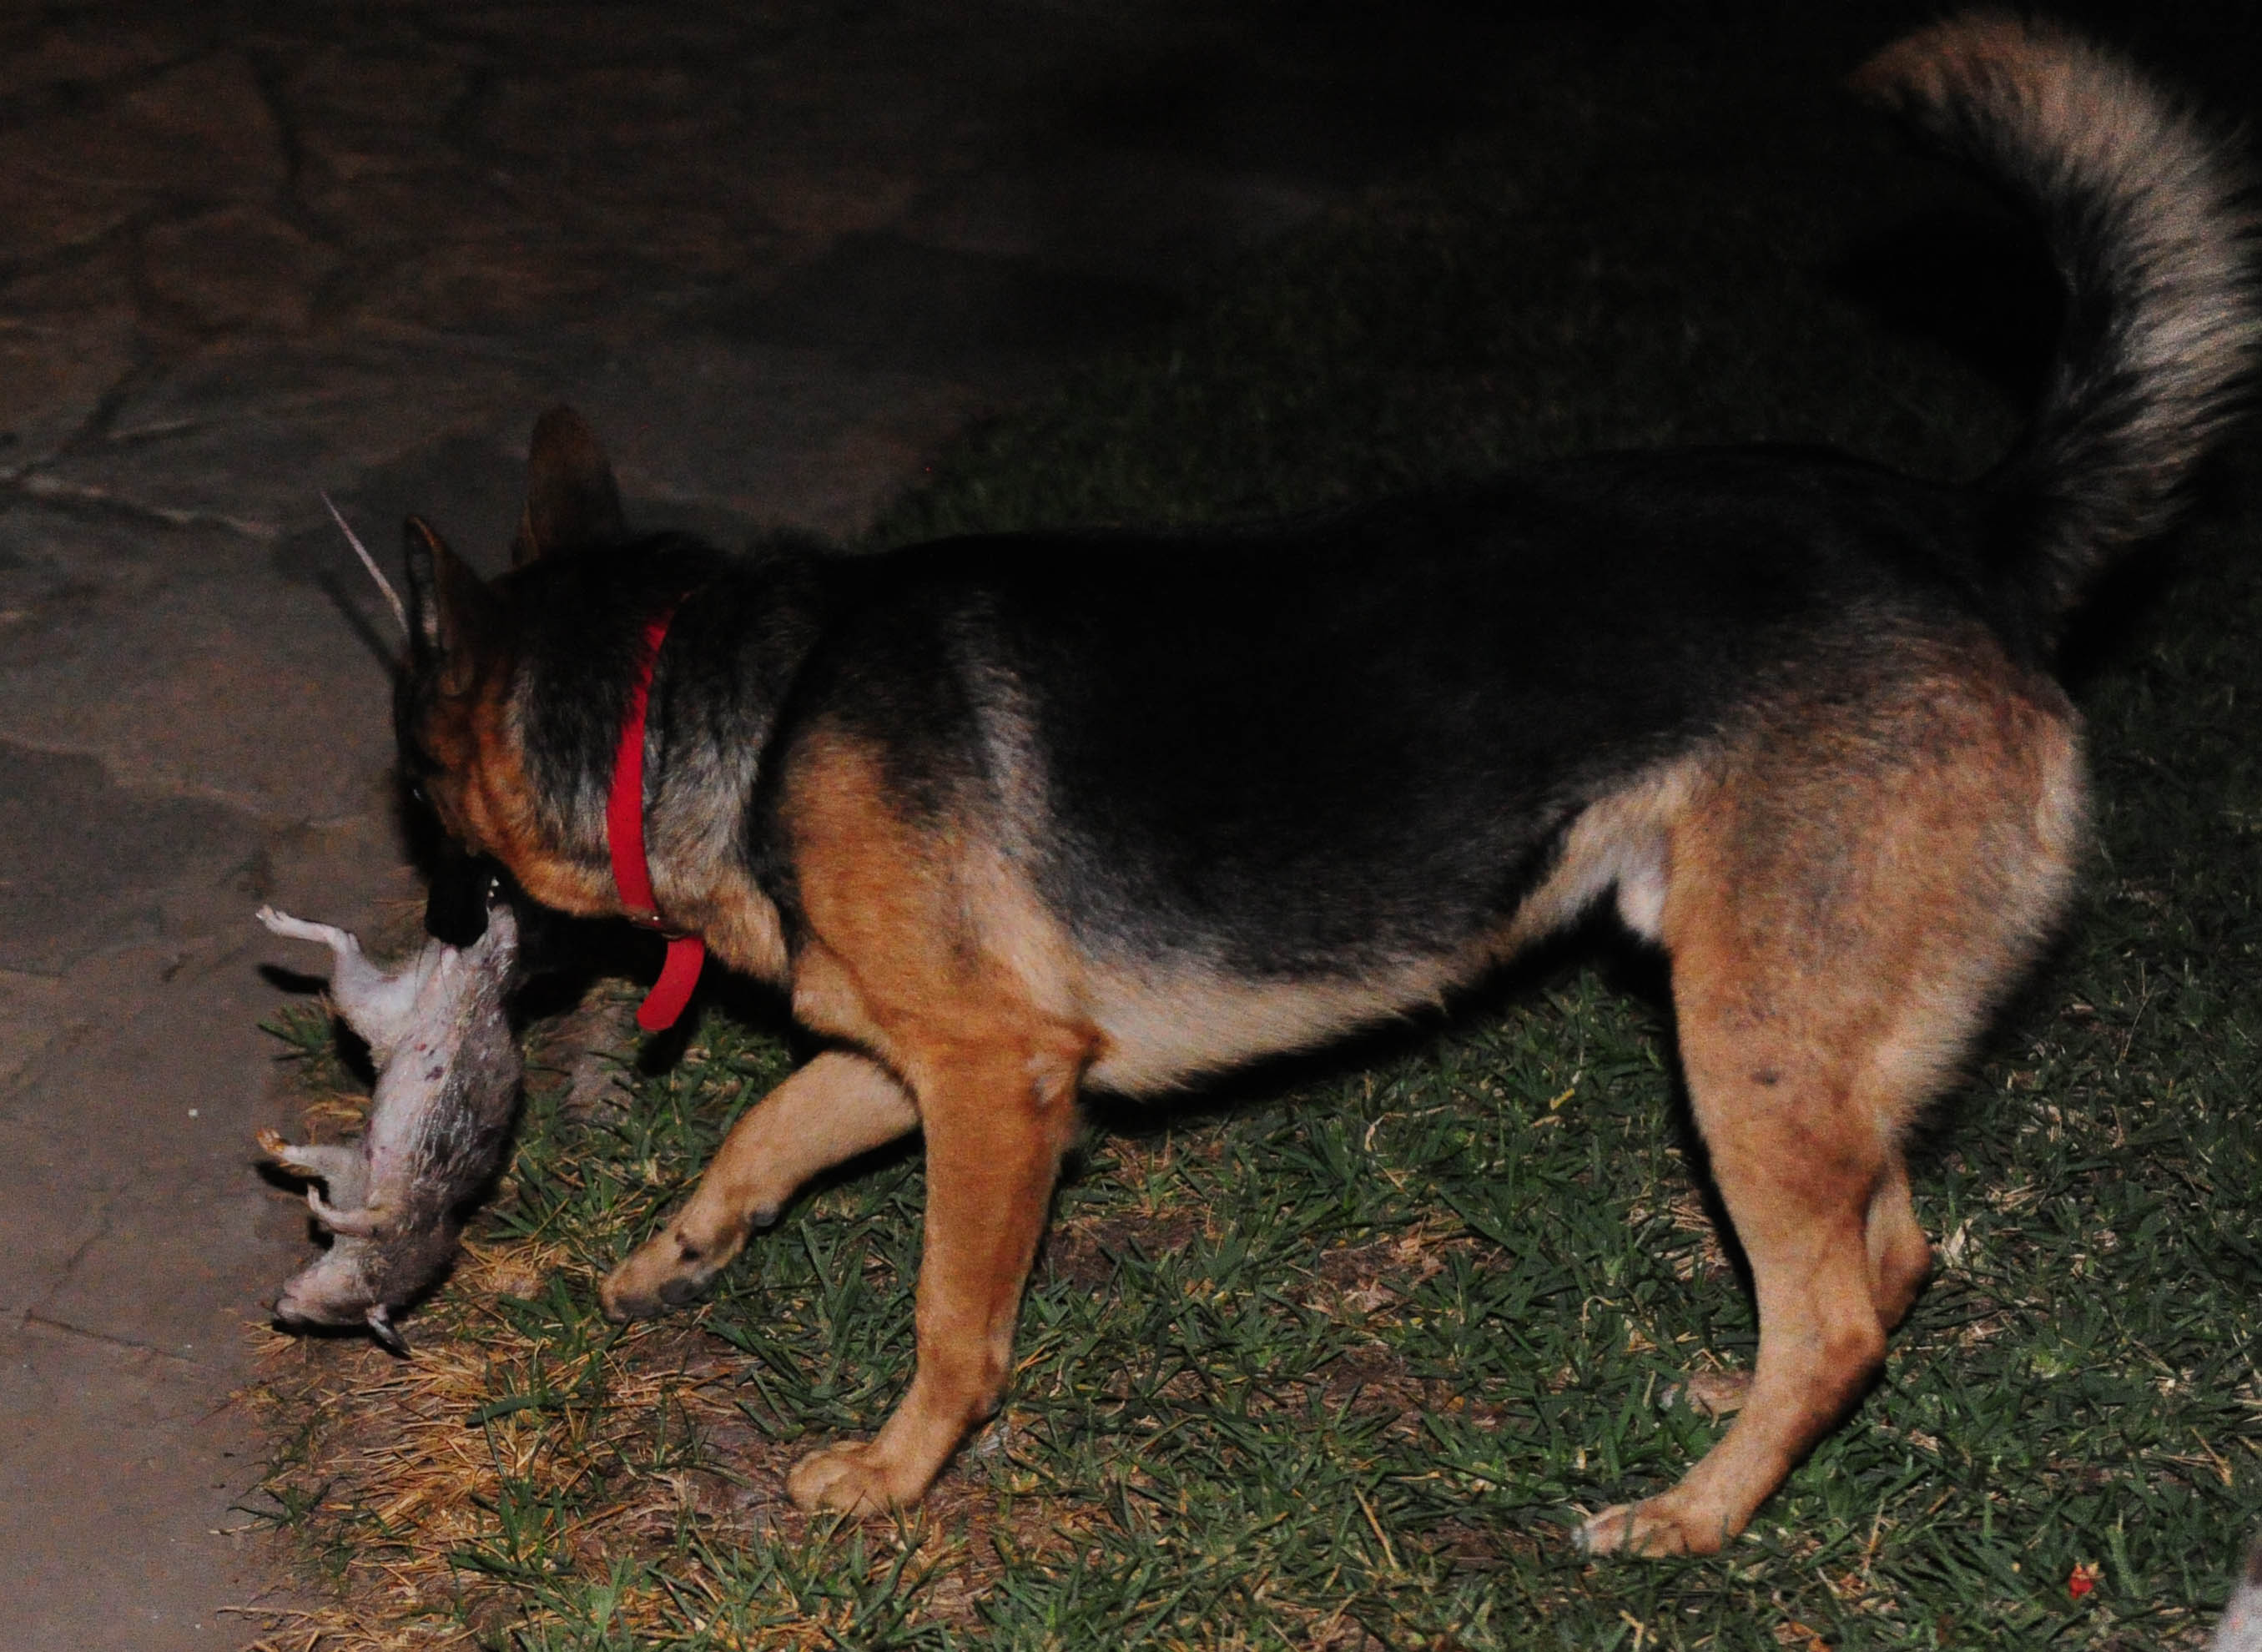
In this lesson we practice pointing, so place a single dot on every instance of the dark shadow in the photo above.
(352, 1050)
(337, 1333)
(1978, 283)
(1340, 92)
(2102, 630)
(884, 301)
(299, 983)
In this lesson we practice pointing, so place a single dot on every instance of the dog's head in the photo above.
(460, 710)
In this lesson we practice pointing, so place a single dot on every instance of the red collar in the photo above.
(624, 836)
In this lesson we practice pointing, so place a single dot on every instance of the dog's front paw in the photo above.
(849, 1477)
(1648, 1531)
(659, 1276)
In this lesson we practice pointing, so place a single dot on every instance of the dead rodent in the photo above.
(448, 1069)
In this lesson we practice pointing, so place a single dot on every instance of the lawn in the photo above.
(1333, 1354)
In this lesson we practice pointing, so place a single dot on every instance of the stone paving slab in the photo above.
(777, 252)
(141, 1242)
(136, 1555)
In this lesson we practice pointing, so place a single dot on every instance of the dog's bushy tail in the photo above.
(2151, 222)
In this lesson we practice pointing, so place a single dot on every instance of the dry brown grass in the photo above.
(641, 1453)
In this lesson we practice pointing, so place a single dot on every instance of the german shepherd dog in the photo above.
(1013, 816)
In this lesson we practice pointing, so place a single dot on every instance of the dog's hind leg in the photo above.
(1797, 1165)
(839, 1105)
(1900, 1256)
(1843, 909)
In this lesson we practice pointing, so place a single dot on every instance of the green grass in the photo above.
(1336, 1361)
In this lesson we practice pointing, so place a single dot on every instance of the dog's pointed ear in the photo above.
(571, 496)
(453, 617)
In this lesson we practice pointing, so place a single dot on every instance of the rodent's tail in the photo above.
(2152, 225)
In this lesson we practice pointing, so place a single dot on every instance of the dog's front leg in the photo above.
(842, 1104)
(997, 1122)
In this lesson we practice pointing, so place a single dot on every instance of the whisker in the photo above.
(368, 562)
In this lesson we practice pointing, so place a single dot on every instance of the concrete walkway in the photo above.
(776, 253)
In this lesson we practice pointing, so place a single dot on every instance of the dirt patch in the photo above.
(1358, 1280)
(1086, 1252)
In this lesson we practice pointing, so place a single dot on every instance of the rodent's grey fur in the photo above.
(448, 1069)
(2240, 1629)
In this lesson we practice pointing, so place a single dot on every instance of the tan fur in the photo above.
(1618, 847)
(486, 801)
(895, 961)
(503, 819)
(739, 922)
(1166, 1028)
(479, 792)
(1861, 877)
